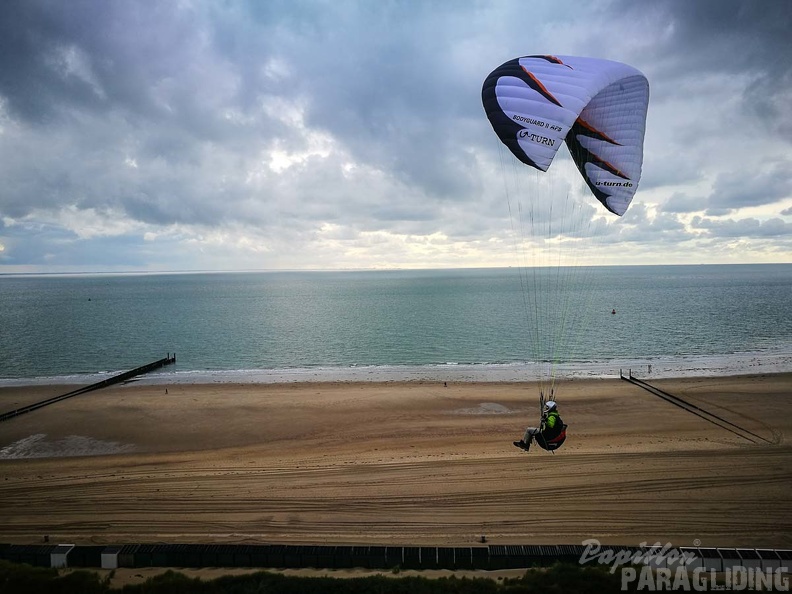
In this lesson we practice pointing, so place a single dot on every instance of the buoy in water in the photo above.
(613, 312)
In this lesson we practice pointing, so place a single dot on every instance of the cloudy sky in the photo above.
(212, 135)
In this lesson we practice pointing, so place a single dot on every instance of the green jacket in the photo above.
(552, 425)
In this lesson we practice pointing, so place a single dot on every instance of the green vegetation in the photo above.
(27, 579)
(24, 579)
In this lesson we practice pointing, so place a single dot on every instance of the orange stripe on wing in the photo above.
(553, 59)
(558, 61)
(598, 133)
(548, 95)
(613, 169)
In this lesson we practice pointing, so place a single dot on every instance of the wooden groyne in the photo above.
(696, 410)
(116, 379)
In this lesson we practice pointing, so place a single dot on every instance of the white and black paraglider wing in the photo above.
(598, 107)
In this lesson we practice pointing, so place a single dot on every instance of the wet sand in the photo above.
(397, 463)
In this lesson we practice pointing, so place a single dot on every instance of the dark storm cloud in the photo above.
(683, 203)
(87, 85)
(381, 78)
(87, 55)
(154, 63)
(732, 37)
(156, 82)
(728, 34)
(736, 189)
(695, 50)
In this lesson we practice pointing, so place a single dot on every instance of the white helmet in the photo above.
(550, 405)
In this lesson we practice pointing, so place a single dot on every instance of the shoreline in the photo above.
(399, 462)
(652, 368)
(24, 394)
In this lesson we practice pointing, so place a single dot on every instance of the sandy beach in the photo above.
(397, 463)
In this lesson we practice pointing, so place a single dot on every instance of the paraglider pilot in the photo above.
(550, 433)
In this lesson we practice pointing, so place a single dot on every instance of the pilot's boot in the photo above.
(522, 445)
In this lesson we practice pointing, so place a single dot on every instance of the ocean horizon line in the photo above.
(82, 273)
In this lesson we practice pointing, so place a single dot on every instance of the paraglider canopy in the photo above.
(598, 107)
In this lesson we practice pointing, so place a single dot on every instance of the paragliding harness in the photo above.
(550, 445)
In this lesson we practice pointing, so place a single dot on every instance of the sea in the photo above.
(459, 325)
